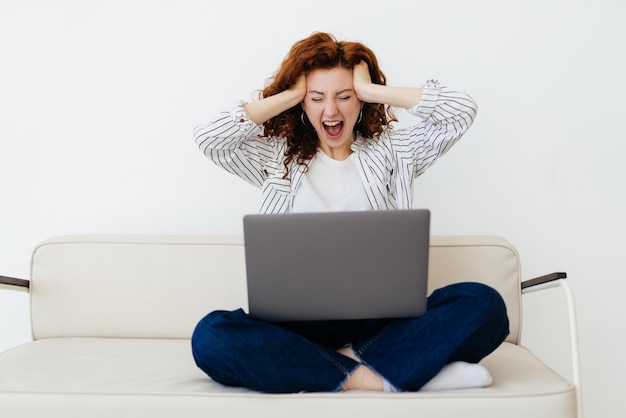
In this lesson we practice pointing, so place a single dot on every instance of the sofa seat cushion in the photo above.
(96, 376)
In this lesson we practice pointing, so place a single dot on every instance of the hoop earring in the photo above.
(302, 119)
(360, 116)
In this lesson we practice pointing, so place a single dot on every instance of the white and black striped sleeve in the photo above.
(447, 114)
(232, 142)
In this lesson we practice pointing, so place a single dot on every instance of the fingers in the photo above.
(300, 86)
(361, 72)
(361, 78)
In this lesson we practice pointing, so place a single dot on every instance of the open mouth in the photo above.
(333, 128)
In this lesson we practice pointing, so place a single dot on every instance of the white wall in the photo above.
(98, 101)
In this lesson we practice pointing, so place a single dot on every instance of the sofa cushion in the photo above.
(142, 286)
(133, 286)
(158, 378)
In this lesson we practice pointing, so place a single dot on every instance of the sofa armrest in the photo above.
(554, 280)
(12, 283)
(543, 279)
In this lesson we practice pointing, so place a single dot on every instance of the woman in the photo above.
(319, 139)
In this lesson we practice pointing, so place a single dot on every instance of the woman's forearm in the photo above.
(405, 97)
(268, 107)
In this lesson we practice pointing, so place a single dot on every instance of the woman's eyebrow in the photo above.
(339, 92)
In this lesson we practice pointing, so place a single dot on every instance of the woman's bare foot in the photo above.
(362, 378)
(349, 352)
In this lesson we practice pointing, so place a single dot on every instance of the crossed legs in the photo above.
(463, 323)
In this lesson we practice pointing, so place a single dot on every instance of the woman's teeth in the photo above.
(333, 128)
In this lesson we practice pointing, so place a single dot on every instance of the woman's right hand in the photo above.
(268, 107)
(300, 87)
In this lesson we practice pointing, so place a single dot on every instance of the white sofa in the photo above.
(112, 316)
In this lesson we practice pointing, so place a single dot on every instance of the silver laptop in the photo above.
(337, 265)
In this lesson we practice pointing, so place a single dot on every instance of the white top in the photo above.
(331, 185)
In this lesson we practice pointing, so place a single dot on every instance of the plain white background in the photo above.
(98, 100)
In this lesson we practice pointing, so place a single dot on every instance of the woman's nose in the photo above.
(331, 108)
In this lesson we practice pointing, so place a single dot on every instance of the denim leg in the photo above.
(237, 350)
(463, 322)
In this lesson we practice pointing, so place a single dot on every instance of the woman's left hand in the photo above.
(368, 92)
(361, 79)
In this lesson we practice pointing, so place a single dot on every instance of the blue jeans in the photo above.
(463, 322)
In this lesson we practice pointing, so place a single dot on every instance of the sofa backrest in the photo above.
(152, 286)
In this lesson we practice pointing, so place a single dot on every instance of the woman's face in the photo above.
(332, 107)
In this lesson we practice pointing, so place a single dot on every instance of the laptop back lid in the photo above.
(337, 265)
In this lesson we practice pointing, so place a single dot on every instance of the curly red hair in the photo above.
(321, 51)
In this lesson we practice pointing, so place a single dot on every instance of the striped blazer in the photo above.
(387, 165)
